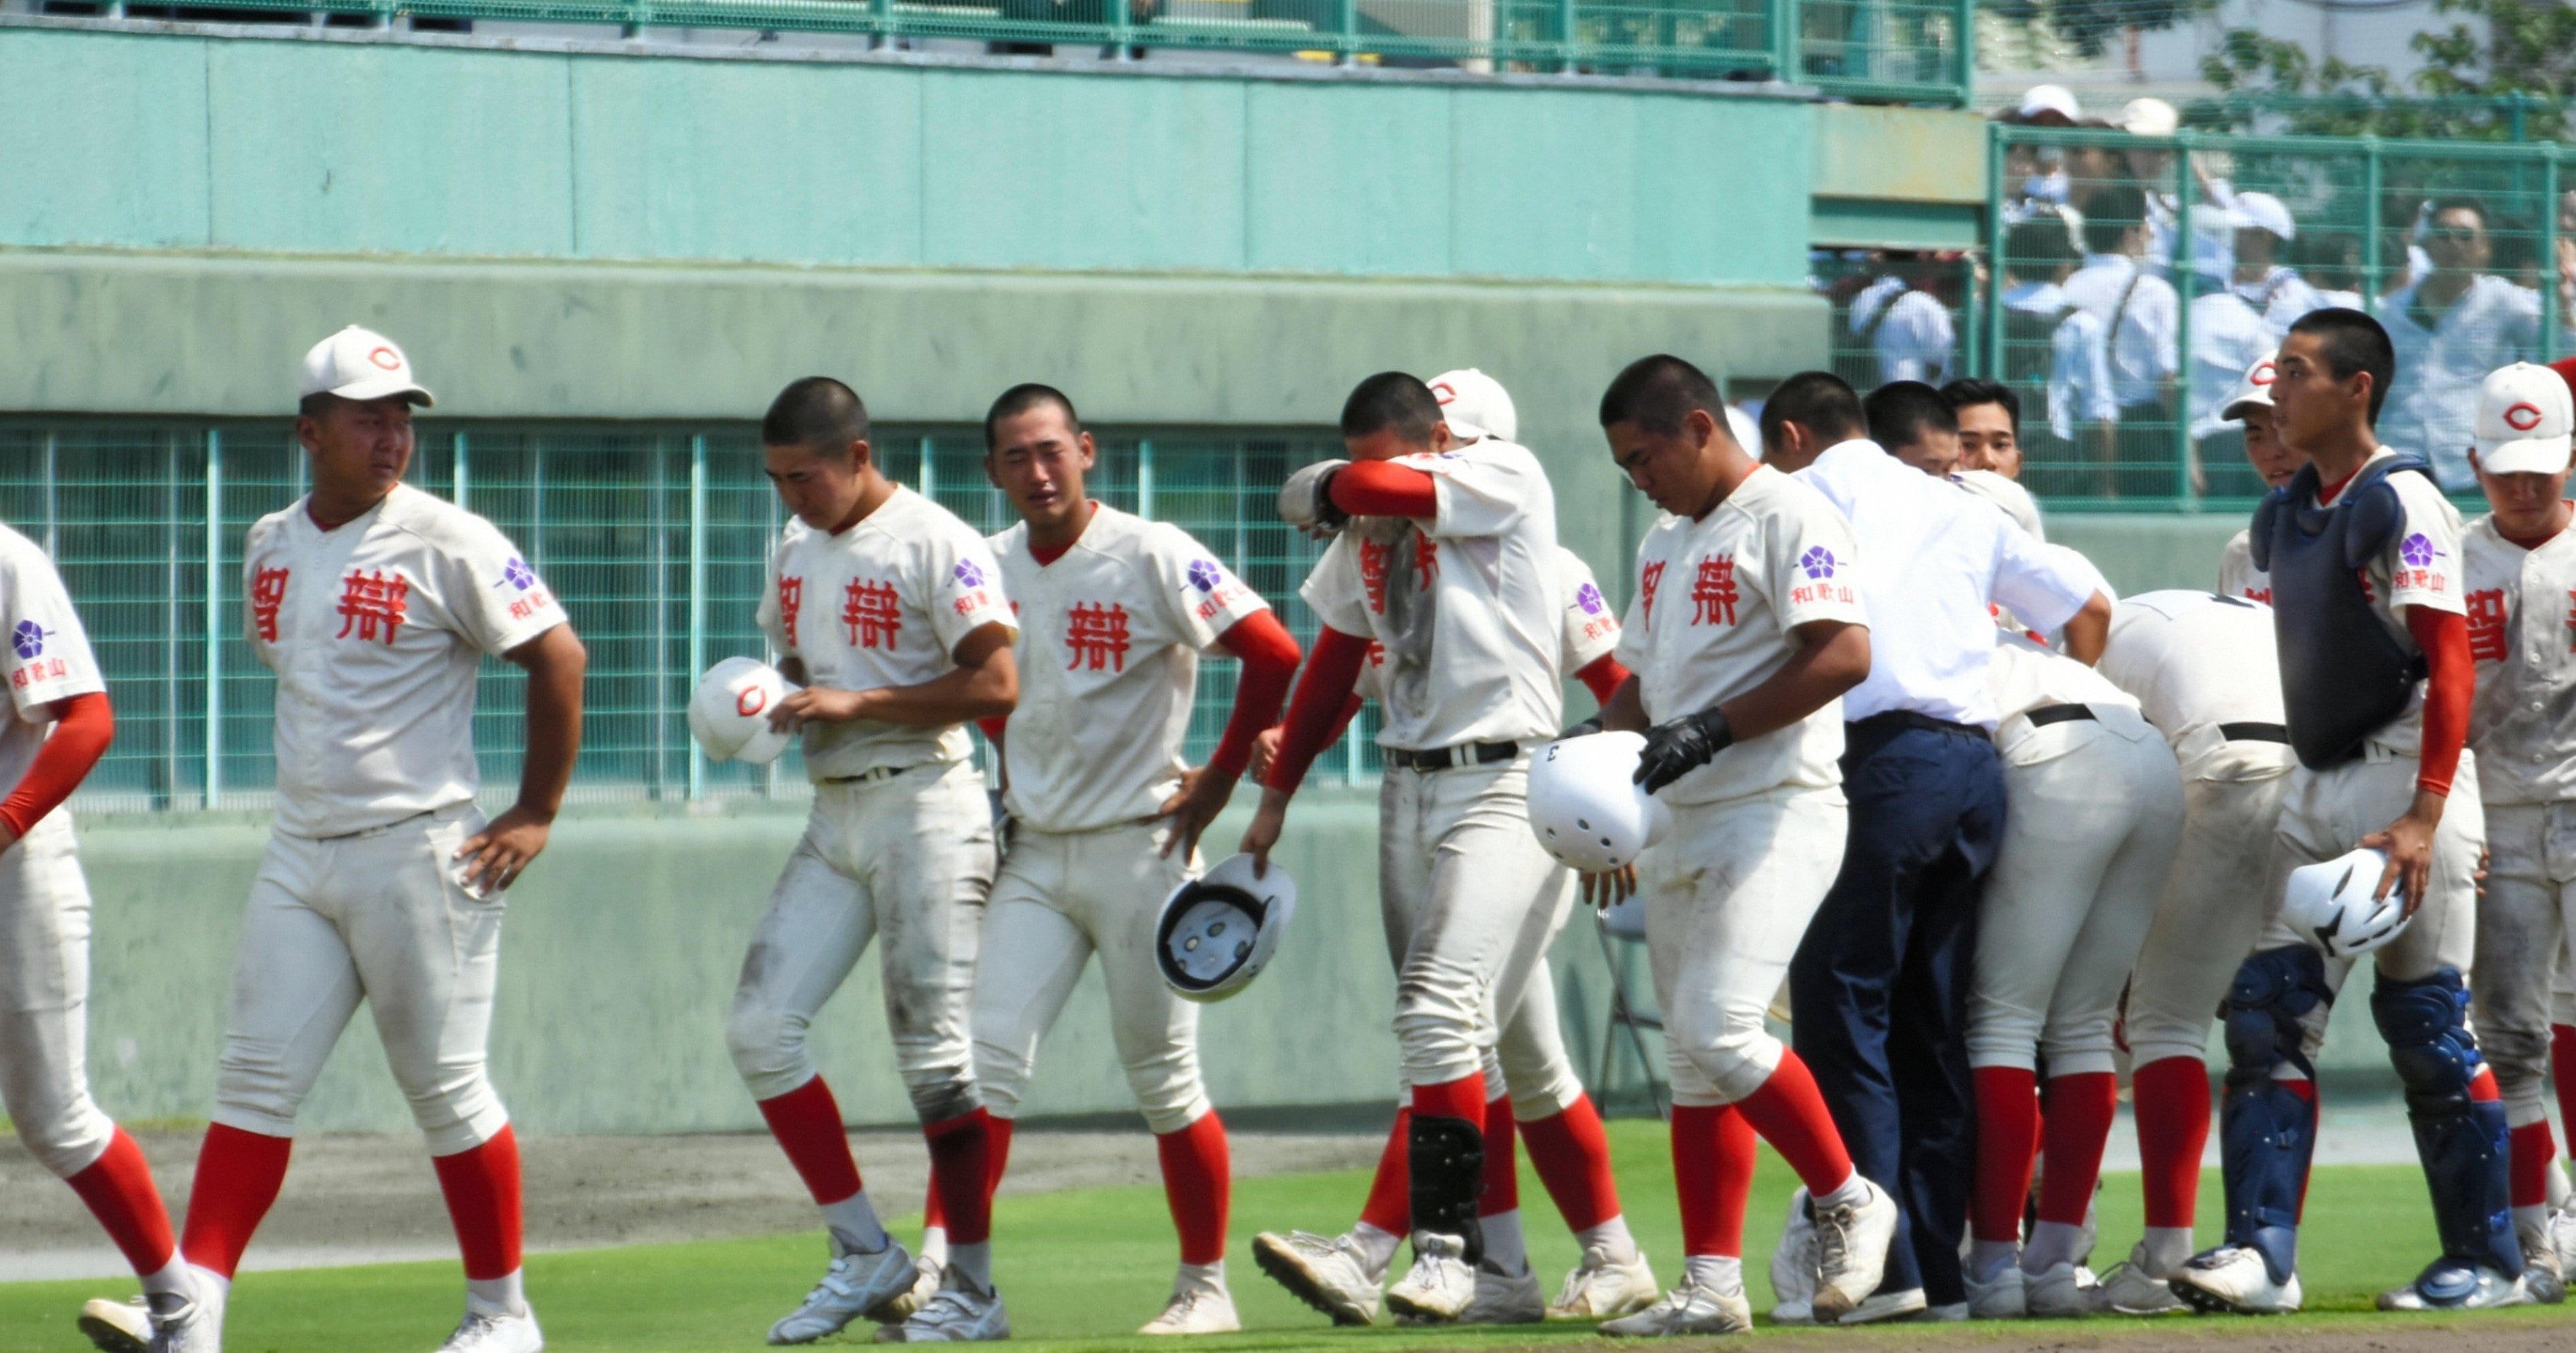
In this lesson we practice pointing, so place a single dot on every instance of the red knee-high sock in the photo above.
(2531, 1149)
(1789, 1111)
(1461, 1098)
(1390, 1196)
(2171, 1098)
(2562, 1069)
(2007, 1113)
(482, 1188)
(1713, 1174)
(2081, 1109)
(1572, 1156)
(961, 1167)
(118, 1188)
(1502, 1164)
(807, 1123)
(1198, 1183)
(238, 1175)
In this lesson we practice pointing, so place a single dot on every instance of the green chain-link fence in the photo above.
(653, 537)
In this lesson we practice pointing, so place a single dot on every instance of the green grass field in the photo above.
(1081, 1269)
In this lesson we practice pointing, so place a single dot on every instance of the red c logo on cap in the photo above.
(2262, 374)
(387, 358)
(1441, 392)
(2522, 417)
(752, 701)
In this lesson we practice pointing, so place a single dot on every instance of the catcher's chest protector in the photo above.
(2343, 675)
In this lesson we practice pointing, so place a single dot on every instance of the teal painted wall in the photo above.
(321, 145)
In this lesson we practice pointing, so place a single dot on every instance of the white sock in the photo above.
(1201, 1277)
(1611, 1238)
(1719, 1273)
(2164, 1249)
(1850, 1193)
(1987, 1259)
(934, 1245)
(854, 1220)
(170, 1279)
(210, 1284)
(2051, 1243)
(975, 1261)
(503, 1295)
(1505, 1249)
(1377, 1246)
(2530, 1218)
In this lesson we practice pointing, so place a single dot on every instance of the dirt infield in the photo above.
(357, 1199)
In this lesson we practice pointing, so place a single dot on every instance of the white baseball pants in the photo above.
(1061, 897)
(2206, 923)
(1530, 1056)
(44, 1000)
(378, 916)
(1729, 892)
(1470, 902)
(908, 858)
(2524, 923)
(2093, 808)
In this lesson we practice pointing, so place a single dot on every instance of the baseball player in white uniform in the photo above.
(2521, 598)
(2383, 765)
(1456, 578)
(892, 614)
(2094, 809)
(375, 604)
(2251, 404)
(1744, 634)
(2204, 670)
(1113, 613)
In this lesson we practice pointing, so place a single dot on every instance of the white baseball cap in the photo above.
(2524, 420)
(2253, 392)
(2264, 212)
(360, 364)
(1476, 405)
(2051, 99)
(1746, 431)
(2150, 117)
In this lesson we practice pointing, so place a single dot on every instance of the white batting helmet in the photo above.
(2331, 906)
(1479, 402)
(1586, 806)
(729, 714)
(1218, 931)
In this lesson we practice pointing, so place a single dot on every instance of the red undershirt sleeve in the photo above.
(993, 726)
(1323, 690)
(1603, 677)
(1269, 655)
(1378, 488)
(2448, 691)
(79, 739)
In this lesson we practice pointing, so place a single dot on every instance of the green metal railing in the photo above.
(2372, 217)
(1906, 51)
(654, 538)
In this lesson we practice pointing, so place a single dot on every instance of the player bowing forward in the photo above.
(892, 611)
(375, 603)
(1114, 612)
(1744, 634)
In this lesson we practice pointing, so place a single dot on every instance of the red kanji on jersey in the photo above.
(2486, 626)
(791, 598)
(267, 593)
(1647, 580)
(1426, 558)
(372, 604)
(1713, 594)
(872, 612)
(1097, 636)
(1373, 574)
(2571, 619)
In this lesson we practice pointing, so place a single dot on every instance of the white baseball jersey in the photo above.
(2196, 662)
(1466, 604)
(884, 603)
(2028, 675)
(376, 630)
(1716, 601)
(49, 657)
(2237, 576)
(1591, 628)
(1110, 637)
(2420, 567)
(2522, 637)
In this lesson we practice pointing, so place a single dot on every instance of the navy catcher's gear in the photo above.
(2343, 675)
(2461, 1141)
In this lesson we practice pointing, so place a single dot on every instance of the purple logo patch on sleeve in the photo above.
(28, 639)
(2416, 550)
(968, 574)
(1818, 562)
(1204, 574)
(1589, 598)
(517, 574)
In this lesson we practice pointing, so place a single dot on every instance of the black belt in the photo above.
(2254, 732)
(2045, 715)
(1445, 758)
(1896, 720)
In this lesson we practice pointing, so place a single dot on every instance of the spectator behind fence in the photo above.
(2452, 325)
(1903, 322)
(2138, 315)
(2037, 177)
(2228, 335)
(2275, 289)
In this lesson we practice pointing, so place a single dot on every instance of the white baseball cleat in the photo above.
(1687, 1309)
(958, 1313)
(117, 1326)
(2487, 1290)
(2128, 1289)
(2058, 1293)
(1793, 1267)
(925, 1280)
(2232, 1278)
(1329, 1273)
(182, 1326)
(2001, 1297)
(1851, 1251)
(1440, 1285)
(1885, 1306)
(484, 1330)
(1196, 1308)
(2562, 1238)
(1505, 1298)
(858, 1282)
(1601, 1289)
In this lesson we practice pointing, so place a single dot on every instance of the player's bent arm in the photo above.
(555, 662)
(1831, 657)
(1625, 710)
(2088, 632)
(2449, 687)
(1332, 673)
(1603, 676)
(83, 726)
(792, 667)
(985, 684)
(1269, 656)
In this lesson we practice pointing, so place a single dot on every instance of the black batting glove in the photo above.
(1677, 747)
(1584, 729)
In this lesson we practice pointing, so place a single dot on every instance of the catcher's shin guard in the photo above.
(1447, 1159)
(2461, 1141)
(2267, 1131)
